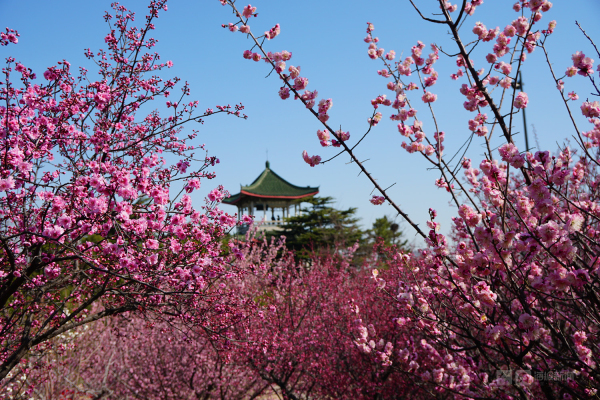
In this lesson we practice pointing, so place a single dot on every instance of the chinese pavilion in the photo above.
(270, 192)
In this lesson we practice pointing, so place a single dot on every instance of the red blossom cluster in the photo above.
(10, 36)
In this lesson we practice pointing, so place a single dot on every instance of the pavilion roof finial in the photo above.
(268, 165)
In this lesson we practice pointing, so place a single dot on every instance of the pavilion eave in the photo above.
(250, 194)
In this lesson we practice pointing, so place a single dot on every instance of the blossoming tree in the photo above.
(95, 213)
(511, 303)
(298, 343)
(127, 356)
(301, 341)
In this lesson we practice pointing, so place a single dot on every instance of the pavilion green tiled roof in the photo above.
(271, 186)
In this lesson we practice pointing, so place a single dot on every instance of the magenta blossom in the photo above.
(377, 200)
(521, 100)
(311, 160)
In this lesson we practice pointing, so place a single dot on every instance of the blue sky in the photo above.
(326, 39)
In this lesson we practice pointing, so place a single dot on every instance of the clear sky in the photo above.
(326, 39)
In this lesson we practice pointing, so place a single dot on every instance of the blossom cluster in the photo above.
(513, 285)
(9, 36)
(87, 206)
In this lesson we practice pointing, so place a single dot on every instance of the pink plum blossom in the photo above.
(521, 100)
(248, 11)
(377, 200)
(311, 160)
(429, 97)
